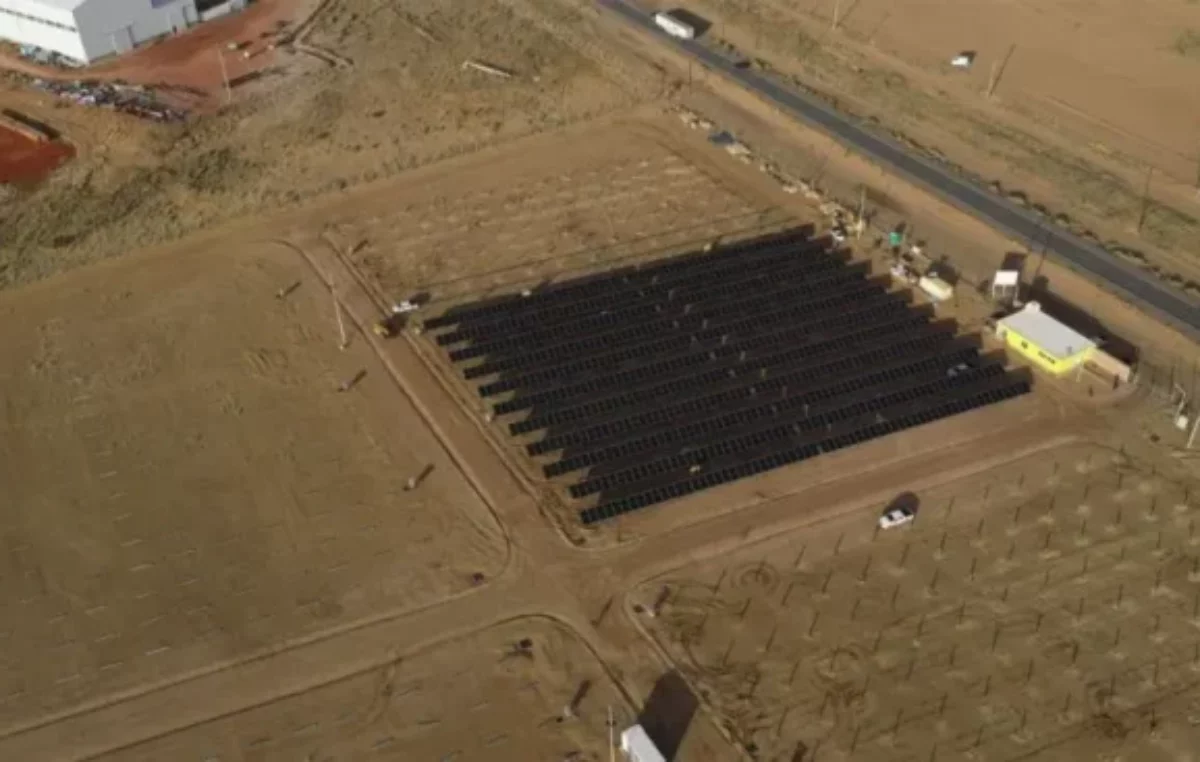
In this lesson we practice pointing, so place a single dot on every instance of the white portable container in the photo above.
(937, 289)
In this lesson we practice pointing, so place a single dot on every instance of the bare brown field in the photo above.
(1043, 610)
(187, 488)
(214, 553)
(609, 191)
(482, 696)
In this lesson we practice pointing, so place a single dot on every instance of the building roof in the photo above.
(1007, 278)
(1051, 336)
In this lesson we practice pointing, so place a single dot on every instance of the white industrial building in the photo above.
(88, 30)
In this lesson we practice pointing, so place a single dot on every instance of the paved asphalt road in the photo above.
(1153, 295)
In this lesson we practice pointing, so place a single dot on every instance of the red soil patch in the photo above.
(24, 160)
(190, 63)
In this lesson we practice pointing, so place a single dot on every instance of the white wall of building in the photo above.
(87, 30)
(28, 22)
(112, 27)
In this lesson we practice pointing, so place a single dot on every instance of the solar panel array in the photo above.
(653, 382)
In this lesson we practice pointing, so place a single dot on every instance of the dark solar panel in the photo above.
(659, 380)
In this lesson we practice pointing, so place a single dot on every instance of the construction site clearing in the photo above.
(577, 439)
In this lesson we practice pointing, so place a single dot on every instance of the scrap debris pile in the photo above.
(136, 100)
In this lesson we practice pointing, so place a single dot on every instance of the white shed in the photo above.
(638, 747)
(88, 30)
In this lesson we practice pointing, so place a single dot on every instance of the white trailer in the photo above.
(673, 26)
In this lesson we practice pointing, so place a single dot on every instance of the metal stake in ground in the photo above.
(343, 342)
(225, 77)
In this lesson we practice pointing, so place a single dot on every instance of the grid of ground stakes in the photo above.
(648, 383)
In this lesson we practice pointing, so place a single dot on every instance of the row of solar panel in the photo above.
(579, 400)
(627, 317)
(785, 265)
(720, 318)
(812, 415)
(801, 322)
(631, 503)
(786, 431)
(797, 378)
(719, 420)
(619, 279)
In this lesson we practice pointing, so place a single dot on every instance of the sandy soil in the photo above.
(273, 551)
(1044, 610)
(607, 191)
(1071, 127)
(483, 696)
(214, 552)
(223, 496)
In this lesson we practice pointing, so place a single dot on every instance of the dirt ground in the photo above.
(405, 101)
(604, 192)
(212, 552)
(482, 696)
(223, 496)
(1071, 127)
(1045, 610)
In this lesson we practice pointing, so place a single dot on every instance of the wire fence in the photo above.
(1173, 380)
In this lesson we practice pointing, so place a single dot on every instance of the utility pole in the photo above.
(861, 224)
(225, 77)
(612, 750)
(837, 11)
(998, 70)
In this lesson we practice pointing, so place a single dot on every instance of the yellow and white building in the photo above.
(1050, 345)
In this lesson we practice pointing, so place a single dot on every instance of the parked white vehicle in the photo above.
(896, 517)
(674, 26)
